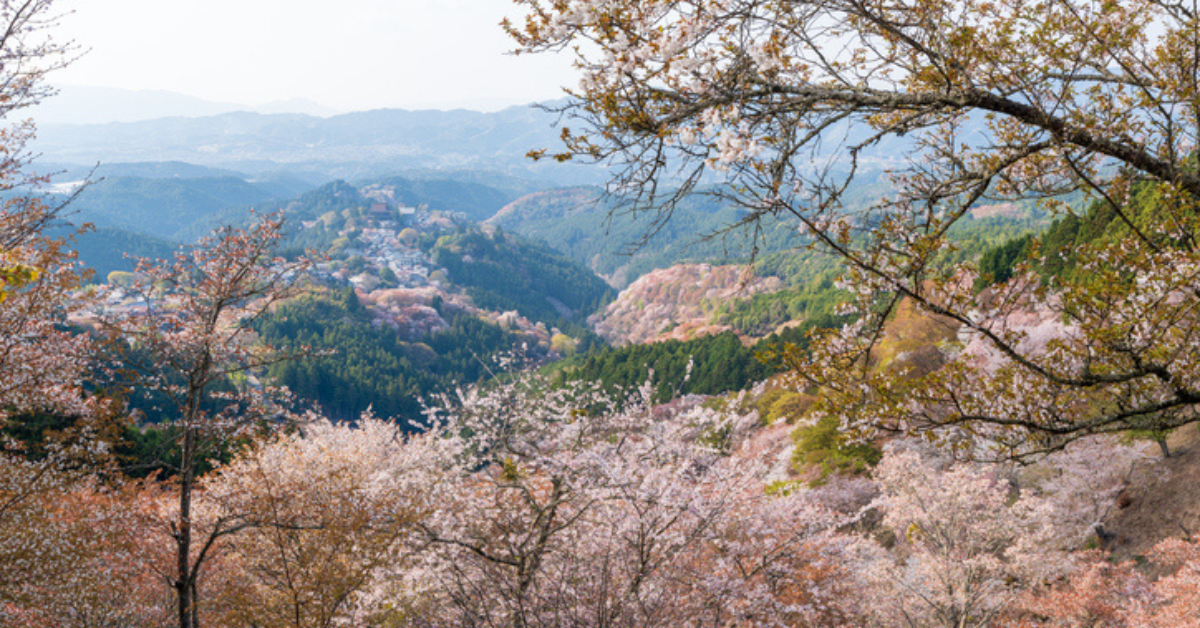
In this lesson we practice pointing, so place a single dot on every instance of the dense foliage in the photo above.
(708, 365)
(371, 366)
(963, 103)
(1056, 251)
(504, 273)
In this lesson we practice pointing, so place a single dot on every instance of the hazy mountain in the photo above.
(78, 104)
(351, 146)
(105, 249)
(164, 207)
(65, 173)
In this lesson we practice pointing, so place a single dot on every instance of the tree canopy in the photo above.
(963, 103)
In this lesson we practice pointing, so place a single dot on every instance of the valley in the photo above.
(714, 341)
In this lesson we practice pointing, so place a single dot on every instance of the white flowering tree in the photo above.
(971, 539)
(332, 507)
(559, 509)
(966, 102)
(42, 366)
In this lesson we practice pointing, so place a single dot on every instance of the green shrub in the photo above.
(822, 446)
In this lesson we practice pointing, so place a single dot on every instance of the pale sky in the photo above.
(345, 54)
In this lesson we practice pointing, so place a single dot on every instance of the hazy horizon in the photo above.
(90, 104)
(368, 54)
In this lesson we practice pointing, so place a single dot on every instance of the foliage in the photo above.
(973, 539)
(789, 103)
(824, 446)
(330, 505)
(548, 511)
(41, 364)
(504, 273)
(810, 294)
(998, 264)
(372, 366)
(47, 537)
(708, 365)
(87, 562)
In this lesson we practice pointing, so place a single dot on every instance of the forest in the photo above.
(376, 369)
(971, 404)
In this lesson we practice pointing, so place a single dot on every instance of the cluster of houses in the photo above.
(383, 245)
(396, 280)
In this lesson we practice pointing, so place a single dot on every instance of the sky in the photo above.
(349, 55)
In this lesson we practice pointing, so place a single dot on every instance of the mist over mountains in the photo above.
(83, 104)
(353, 145)
(200, 164)
(89, 126)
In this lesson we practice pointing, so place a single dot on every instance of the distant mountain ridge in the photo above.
(165, 207)
(83, 104)
(581, 223)
(350, 146)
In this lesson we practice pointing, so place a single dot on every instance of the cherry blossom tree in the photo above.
(784, 105)
(972, 540)
(1178, 592)
(556, 512)
(33, 546)
(955, 526)
(41, 365)
(188, 344)
(331, 505)
(1076, 489)
(1104, 594)
(1099, 594)
(96, 572)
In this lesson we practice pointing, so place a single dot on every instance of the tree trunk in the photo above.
(1162, 446)
(185, 578)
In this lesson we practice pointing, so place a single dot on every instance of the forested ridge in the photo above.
(373, 367)
(502, 273)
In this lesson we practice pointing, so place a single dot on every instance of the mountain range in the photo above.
(348, 146)
(83, 104)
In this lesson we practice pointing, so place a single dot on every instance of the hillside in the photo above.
(503, 273)
(381, 359)
(676, 303)
(474, 200)
(165, 207)
(415, 301)
(108, 249)
(580, 221)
